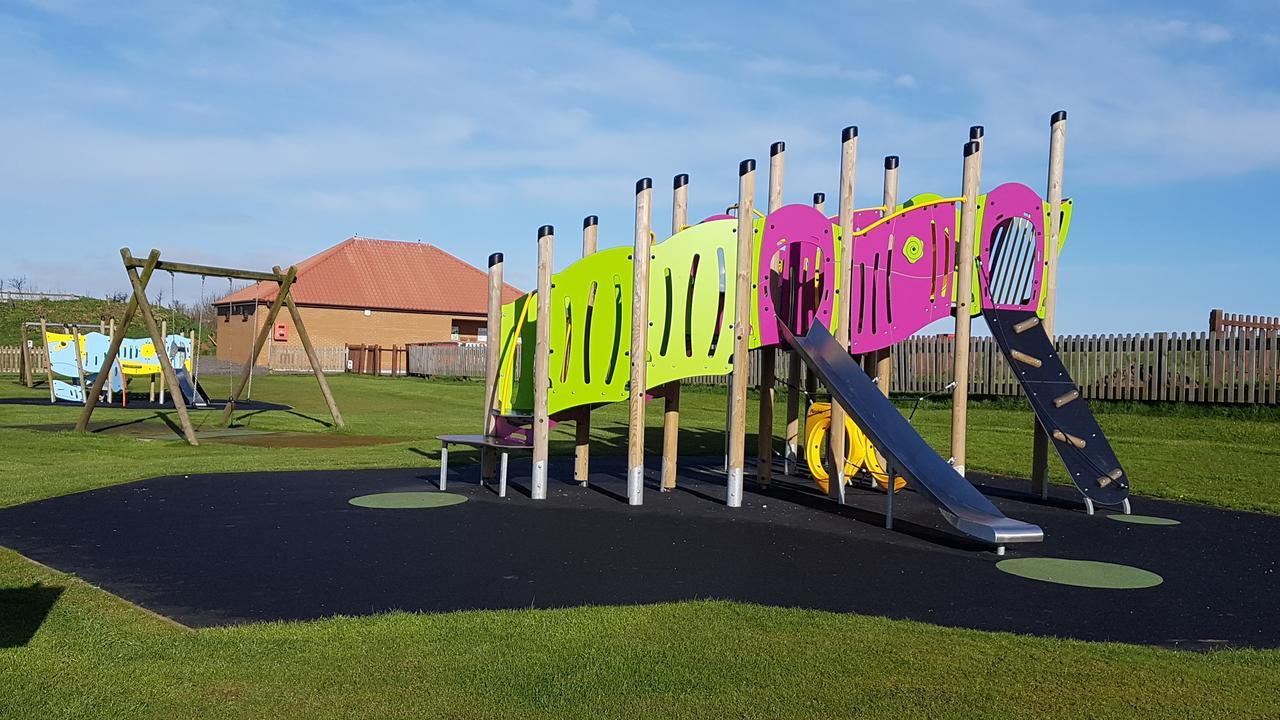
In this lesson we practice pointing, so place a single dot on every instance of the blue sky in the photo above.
(257, 133)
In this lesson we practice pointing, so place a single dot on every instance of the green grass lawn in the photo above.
(95, 656)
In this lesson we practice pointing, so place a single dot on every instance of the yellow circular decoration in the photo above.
(913, 249)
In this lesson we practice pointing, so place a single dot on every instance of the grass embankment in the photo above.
(94, 656)
(84, 311)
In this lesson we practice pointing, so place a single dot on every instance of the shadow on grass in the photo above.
(23, 611)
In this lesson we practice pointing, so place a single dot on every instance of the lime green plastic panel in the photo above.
(691, 297)
(692, 286)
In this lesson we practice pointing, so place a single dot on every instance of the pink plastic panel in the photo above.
(796, 271)
(1011, 251)
(861, 218)
(902, 272)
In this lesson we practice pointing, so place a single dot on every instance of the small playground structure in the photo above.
(628, 323)
(120, 354)
(78, 351)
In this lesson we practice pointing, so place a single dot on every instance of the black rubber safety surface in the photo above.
(233, 548)
(139, 404)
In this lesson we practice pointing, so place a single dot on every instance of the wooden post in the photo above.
(263, 333)
(111, 393)
(542, 365)
(75, 339)
(48, 358)
(739, 378)
(582, 428)
(492, 360)
(640, 256)
(307, 347)
(844, 266)
(163, 349)
(810, 379)
(24, 356)
(671, 403)
(769, 356)
(166, 367)
(884, 356)
(1057, 155)
(970, 182)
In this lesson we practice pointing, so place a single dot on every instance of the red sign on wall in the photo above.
(281, 334)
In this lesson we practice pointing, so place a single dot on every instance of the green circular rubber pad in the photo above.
(1081, 573)
(1143, 519)
(405, 500)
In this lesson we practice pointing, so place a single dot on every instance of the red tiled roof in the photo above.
(384, 275)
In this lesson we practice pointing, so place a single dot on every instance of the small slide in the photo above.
(192, 393)
(961, 504)
(1054, 396)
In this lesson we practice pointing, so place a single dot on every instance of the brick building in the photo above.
(364, 292)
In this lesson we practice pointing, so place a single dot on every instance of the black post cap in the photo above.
(776, 148)
(746, 166)
(589, 221)
(545, 230)
(819, 198)
(849, 133)
(1058, 117)
(890, 162)
(494, 259)
(971, 147)
(976, 131)
(680, 181)
(643, 184)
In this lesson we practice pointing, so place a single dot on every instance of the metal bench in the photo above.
(484, 442)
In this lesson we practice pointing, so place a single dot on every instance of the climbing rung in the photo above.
(1026, 325)
(1025, 358)
(1064, 437)
(1065, 398)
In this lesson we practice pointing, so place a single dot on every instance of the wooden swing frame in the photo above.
(140, 271)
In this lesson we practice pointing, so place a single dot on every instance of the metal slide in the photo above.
(193, 393)
(960, 503)
(1054, 396)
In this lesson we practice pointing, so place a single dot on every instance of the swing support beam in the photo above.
(140, 272)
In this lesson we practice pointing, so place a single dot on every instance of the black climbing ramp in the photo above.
(1066, 417)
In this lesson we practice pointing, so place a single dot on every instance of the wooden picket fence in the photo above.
(11, 359)
(289, 359)
(444, 360)
(1238, 366)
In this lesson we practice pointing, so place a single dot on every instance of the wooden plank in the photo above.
(970, 182)
(316, 368)
(263, 333)
(582, 426)
(76, 347)
(741, 319)
(769, 358)
(671, 403)
(541, 365)
(639, 358)
(208, 270)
